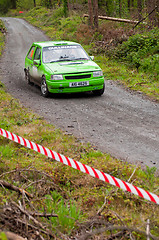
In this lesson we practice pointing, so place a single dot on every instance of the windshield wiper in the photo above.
(61, 60)
(80, 59)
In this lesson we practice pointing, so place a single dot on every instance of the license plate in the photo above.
(79, 84)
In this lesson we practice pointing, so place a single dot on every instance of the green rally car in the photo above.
(62, 67)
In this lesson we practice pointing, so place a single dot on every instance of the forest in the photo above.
(132, 9)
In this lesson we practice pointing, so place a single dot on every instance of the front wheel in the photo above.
(44, 89)
(99, 92)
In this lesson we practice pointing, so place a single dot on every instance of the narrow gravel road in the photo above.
(122, 123)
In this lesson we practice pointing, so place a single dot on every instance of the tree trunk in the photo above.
(13, 3)
(50, 4)
(139, 7)
(34, 3)
(114, 19)
(120, 8)
(95, 8)
(129, 6)
(90, 10)
(153, 18)
(157, 13)
(66, 8)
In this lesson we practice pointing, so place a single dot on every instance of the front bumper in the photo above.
(63, 86)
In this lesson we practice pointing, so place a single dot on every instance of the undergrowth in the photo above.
(86, 193)
(2, 29)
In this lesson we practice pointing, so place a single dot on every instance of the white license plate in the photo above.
(79, 84)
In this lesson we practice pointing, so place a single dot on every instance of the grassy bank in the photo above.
(53, 185)
(2, 37)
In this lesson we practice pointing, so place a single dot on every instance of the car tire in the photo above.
(99, 92)
(44, 88)
(27, 77)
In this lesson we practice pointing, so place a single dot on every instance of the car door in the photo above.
(36, 71)
(29, 60)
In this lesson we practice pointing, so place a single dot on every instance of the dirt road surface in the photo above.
(122, 123)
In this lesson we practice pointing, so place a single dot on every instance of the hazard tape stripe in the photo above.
(81, 167)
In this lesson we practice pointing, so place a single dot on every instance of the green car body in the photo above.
(62, 67)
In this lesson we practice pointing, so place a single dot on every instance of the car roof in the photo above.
(54, 43)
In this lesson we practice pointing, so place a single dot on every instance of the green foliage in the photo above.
(65, 8)
(150, 174)
(142, 51)
(67, 212)
(54, 23)
(3, 236)
(6, 151)
(24, 5)
(4, 6)
(2, 28)
(151, 64)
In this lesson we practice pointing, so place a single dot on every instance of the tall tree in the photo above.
(93, 13)
(4, 6)
(90, 10)
(129, 5)
(95, 8)
(34, 3)
(66, 9)
(139, 7)
(157, 12)
(120, 8)
(152, 7)
(14, 4)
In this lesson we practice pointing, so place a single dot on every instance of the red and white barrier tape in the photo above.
(81, 167)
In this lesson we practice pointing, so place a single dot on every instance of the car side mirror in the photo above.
(37, 62)
(92, 58)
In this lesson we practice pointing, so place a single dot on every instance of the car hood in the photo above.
(72, 67)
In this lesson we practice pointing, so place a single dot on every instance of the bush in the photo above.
(24, 5)
(151, 64)
(141, 51)
(143, 45)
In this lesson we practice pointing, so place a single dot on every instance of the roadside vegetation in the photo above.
(2, 37)
(80, 202)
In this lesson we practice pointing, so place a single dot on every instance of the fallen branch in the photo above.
(116, 235)
(144, 17)
(102, 207)
(12, 236)
(115, 19)
(14, 188)
(36, 222)
(114, 227)
(46, 215)
(19, 221)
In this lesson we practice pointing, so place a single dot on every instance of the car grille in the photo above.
(78, 76)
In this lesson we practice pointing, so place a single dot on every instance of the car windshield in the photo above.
(64, 53)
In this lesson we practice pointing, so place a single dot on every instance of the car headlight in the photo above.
(97, 74)
(57, 77)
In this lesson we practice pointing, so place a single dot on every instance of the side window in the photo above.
(31, 52)
(37, 54)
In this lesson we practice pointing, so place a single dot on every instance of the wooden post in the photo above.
(148, 229)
